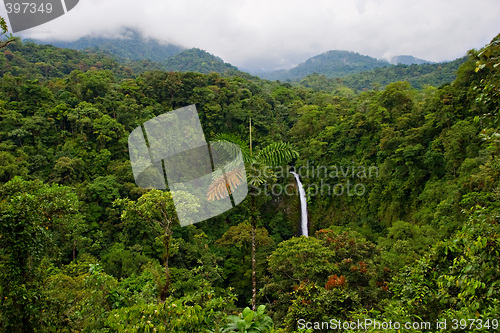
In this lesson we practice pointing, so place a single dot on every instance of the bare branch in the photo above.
(2, 45)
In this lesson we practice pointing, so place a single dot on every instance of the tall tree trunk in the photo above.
(253, 223)
(164, 291)
(254, 279)
(250, 129)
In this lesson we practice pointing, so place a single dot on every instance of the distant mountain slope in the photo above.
(142, 54)
(418, 76)
(132, 46)
(46, 62)
(408, 60)
(197, 60)
(332, 64)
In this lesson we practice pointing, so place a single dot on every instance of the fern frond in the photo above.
(245, 151)
(277, 153)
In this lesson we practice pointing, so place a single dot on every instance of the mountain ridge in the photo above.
(332, 64)
(434, 74)
(198, 60)
(133, 47)
(408, 60)
(130, 45)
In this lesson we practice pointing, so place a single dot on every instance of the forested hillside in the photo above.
(332, 64)
(417, 75)
(33, 61)
(196, 60)
(402, 186)
(130, 45)
(140, 54)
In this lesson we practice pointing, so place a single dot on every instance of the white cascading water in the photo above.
(303, 206)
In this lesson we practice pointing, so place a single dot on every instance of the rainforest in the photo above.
(416, 240)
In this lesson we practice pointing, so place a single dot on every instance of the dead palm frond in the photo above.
(225, 184)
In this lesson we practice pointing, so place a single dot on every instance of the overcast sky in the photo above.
(258, 34)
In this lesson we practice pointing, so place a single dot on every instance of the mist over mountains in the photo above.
(332, 64)
(408, 60)
(133, 46)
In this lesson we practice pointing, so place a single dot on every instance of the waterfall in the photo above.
(303, 206)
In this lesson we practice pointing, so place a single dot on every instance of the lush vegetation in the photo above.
(417, 75)
(83, 249)
(44, 62)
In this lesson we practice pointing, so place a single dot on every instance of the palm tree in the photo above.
(258, 172)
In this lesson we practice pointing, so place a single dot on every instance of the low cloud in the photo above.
(265, 35)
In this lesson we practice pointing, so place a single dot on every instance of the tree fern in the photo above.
(277, 153)
(245, 151)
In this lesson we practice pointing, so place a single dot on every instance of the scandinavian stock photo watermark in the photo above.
(170, 152)
(318, 180)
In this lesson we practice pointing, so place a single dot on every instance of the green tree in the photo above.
(203, 311)
(3, 34)
(295, 261)
(488, 60)
(80, 296)
(238, 243)
(258, 170)
(250, 322)
(9, 167)
(94, 84)
(34, 218)
(108, 129)
(459, 277)
(405, 243)
(157, 208)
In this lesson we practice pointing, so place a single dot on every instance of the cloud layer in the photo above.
(264, 35)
